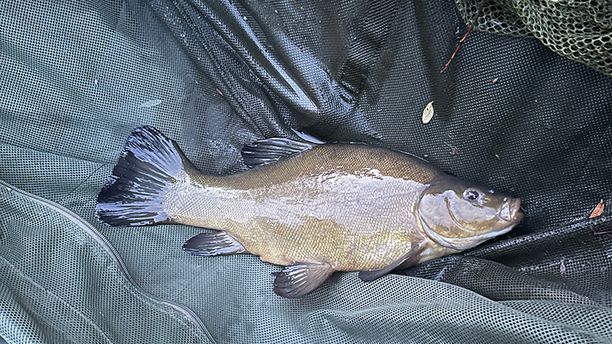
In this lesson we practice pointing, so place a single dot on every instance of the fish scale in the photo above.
(312, 215)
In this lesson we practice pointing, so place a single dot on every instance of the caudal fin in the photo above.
(148, 165)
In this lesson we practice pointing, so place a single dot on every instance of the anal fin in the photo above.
(213, 244)
(300, 279)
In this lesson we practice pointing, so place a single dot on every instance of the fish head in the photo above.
(458, 215)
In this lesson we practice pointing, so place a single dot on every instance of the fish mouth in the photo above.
(461, 244)
(510, 213)
(511, 210)
(490, 235)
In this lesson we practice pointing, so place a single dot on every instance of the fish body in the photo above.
(316, 208)
(351, 206)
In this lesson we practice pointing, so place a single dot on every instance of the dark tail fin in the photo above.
(133, 195)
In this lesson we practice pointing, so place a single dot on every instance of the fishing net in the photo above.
(77, 77)
(577, 29)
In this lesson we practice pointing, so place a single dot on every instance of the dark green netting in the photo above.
(77, 77)
(578, 29)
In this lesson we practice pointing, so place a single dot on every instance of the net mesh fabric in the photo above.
(577, 29)
(59, 284)
(80, 76)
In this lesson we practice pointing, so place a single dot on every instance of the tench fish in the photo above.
(314, 208)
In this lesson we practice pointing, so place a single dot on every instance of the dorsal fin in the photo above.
(271, 150)
(307, 137)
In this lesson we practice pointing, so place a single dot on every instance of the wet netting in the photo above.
(509, 112)
(577, 29)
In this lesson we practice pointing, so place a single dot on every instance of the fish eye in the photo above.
(471, 195)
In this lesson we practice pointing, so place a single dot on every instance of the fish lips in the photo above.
(510, 213)
(511, 210)
(461, 244)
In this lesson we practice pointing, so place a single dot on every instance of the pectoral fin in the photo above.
(212, 244)
(300, 279)
(371, 275)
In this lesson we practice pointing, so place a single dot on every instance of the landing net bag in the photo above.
(524, 106)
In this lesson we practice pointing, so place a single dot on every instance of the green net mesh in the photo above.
(77, 77)
(577, 29)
